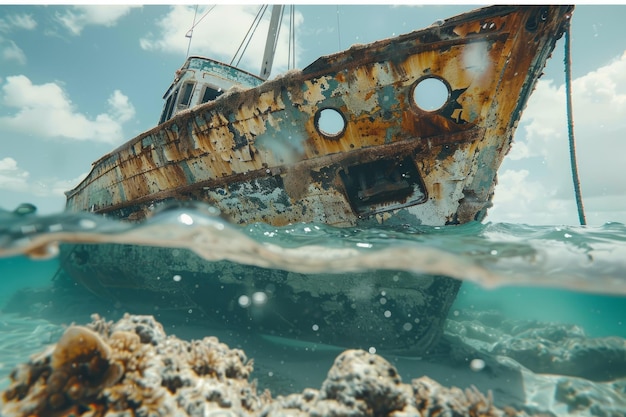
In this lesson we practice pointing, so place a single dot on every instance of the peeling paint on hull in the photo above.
(263, 155)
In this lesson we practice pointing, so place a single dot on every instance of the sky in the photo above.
(76, 81)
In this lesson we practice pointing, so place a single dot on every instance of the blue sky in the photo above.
(77, 81)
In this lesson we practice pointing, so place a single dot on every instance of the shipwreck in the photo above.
(410, 129)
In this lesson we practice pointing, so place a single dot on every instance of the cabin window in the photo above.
(210, 94)
(186, 97)
(169, 105)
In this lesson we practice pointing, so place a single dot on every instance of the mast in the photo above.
(270, 43)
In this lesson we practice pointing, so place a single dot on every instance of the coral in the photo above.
(369, 379)
(133, 368)
(433, 399)
(68, 377)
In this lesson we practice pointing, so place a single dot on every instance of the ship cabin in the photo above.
(201, 80)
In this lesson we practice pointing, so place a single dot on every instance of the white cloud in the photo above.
(519, 199)
(12, 52)
(9, 51)
(219, 34)
(18, 186)
(12, 177)
(24, 21)
(120, 107)
(599, 101)
(17, 21)
(54, 187)
(46, 111)
(80, 16)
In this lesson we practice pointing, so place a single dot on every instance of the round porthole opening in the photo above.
(330, 123)
(430, 94)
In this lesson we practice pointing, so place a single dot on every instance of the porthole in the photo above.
(330, 123)
(430, 94)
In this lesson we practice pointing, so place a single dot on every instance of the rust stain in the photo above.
(436, 191)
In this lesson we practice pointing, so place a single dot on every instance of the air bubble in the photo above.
(24, 209)
(387, 313)
(372, 350)
(315, 327)
(477, 365)
(185, 219)
(177, 278)
(87, 224)
(259, 298)
(244, 301)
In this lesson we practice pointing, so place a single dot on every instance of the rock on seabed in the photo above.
(132, 368)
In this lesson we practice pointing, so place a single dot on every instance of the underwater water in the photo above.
(539, 308)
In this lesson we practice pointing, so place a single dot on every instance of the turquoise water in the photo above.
(556, 275)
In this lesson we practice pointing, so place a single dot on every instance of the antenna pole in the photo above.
(270, 44)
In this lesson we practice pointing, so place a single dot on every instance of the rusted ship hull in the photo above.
(259, 154)
(266, 154)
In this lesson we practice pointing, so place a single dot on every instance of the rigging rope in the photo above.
(195, 23)
(291, 59)
(190, 31)
(203, 16)
(252, 28)
(570, 127)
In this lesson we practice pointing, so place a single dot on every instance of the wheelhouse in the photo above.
(201, 80)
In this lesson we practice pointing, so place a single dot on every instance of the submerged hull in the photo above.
(387, 310)
(387, 155)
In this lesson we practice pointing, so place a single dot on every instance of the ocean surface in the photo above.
(565, 280)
